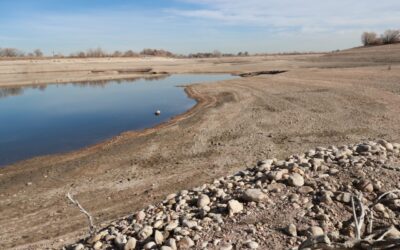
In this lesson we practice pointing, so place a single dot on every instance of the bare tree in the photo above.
(38, 53)
(391, 36)
(217, 53)
(369, 38)
(10, 52)
(130, 53)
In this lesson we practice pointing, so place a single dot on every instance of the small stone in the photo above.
(158, 237)
(255, 195)
(344, 197)
(120, 241)
(172, 225)
(97, 245)
(366, 186)
(292, 230)
(166, 248)
(146, 232)
(203, 201)
(252, 244)
(305, 190)
(150, 245)
(131, 244)
(316, 231)
(234, 207)
(379, 208)
(225, 246)
(171, 242)
(79, 247)
(296, 180)
(189, 223)
(140, 216)
(185, 243)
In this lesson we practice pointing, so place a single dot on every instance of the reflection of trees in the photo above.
(4, 92)
(14, 91)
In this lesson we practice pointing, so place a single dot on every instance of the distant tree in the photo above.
(369, 38)
(246, 53)
(390, 36)
(10, 52)
(130, 53)
(38, 53)
(217, 53)
(117, 53)
(99, 52)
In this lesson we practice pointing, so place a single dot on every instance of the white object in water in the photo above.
(158, 112)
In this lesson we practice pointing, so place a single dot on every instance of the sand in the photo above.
(338, 98)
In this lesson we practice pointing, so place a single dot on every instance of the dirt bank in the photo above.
(237, 123)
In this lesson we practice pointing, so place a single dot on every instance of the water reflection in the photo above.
(14, 91)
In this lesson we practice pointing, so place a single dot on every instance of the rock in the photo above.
(97, 237)
(234, 207)
(365, 186)
(140, 216)
(97, 245)
(225, 246)
(130, 244)
(316, 231)
(150, 245)
(79, 247)
(146, 232)
(203, 201)
(252, 244)
(296, 180)
(158, 237)
(171, 242)
(166, 248)
(276, 187)
(189, 223)
(379, 208)
(172, 225)
(305, 190)
(292, 230)
(255, 195)
(185, 243)
(344, 197)
(120, 241)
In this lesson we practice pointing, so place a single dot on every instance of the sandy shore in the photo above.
(322, 100)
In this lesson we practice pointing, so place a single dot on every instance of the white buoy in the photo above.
(158, 112)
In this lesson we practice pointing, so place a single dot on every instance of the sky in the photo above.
(187, 26)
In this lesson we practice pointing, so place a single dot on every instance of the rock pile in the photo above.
(315, 194)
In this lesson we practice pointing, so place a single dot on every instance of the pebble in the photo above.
(130, 244)
(146, 232)
(255, 195)
(225, 246)
(292, 230)
(252, 244)
(296, 180)
(158, 237)
(234, 207)
(203, 201)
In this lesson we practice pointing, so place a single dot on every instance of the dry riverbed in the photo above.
(321, 100)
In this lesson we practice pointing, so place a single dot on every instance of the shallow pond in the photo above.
(59, 118)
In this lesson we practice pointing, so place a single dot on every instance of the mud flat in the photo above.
(321, 100)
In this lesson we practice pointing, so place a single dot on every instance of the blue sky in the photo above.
(185, 26)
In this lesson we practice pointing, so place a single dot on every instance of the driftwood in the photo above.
(377, 240)
(92, 228)
(269, 72)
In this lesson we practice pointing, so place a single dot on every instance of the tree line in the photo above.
(99, 52)
(387, 37)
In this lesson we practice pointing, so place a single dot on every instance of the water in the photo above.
(59, 118)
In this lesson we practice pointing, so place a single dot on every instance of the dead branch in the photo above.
(92, 228)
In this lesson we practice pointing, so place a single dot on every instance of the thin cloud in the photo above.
(310, 15)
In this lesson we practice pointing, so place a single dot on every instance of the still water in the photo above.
(59, 118)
